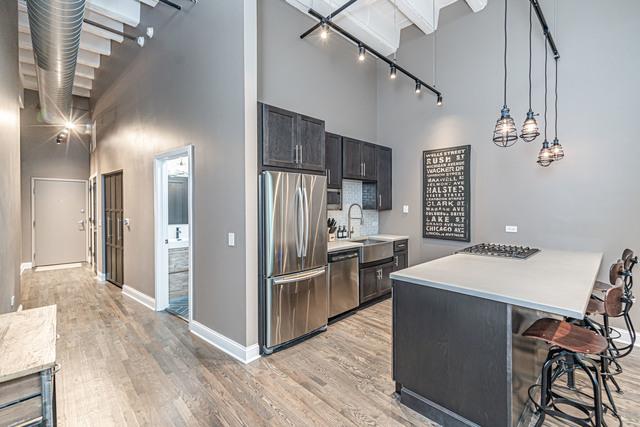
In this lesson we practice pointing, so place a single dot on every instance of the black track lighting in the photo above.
(361, 53)
(418, 87)
(439, 102)
(393, 72)
(324, 30)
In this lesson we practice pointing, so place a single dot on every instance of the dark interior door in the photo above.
(114, 239)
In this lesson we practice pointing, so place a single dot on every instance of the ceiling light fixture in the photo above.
(530, 129)
(69, 125)
(439, 102)
(418, 87)
(545, 157)
(324, 31)
(505, 133)
(393, 72)
(361, 53)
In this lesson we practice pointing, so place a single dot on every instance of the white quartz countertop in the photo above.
(340, 245)
(555, 282)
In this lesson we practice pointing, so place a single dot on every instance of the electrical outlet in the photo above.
(511, 228)
(232, 239)
(405, 209)
(13, 300)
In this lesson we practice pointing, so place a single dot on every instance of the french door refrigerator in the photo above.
(295, 256)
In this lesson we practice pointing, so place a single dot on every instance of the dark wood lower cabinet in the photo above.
(375, 281)
(400, 260)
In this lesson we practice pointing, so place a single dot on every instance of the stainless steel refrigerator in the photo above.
(295, 251)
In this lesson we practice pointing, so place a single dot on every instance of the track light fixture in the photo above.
(530, 129)
(439, 102)
(361, 53)
(545, 156)
(505, 133)
(324, 31)
(418, 87)
(393, 72)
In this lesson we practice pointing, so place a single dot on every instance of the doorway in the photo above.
(58, 219)
(173, 195)
(113, 230)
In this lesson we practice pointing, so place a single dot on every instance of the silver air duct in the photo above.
(55, 34)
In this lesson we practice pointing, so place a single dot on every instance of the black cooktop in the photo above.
(502, 251)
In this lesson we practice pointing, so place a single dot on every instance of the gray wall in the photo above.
(186, 86)
(586, 202)
(41, 157)
(9, 158)
(316, 78)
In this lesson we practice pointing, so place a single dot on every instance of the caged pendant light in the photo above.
(530, 129)
(556, 148)
(545, 156)
(505, 133)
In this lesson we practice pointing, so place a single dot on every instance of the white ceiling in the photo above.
(94, 42)
(378, 22)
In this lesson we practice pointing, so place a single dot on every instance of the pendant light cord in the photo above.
(546, 58)
(556, 107)
(530, 54)
(505, 53)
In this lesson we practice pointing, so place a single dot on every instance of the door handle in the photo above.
(118, 230)
(299, 222)
(300, 276)
(307, 226)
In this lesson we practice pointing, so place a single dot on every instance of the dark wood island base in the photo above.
(460, 360)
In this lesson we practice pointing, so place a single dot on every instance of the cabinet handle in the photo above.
(379, 200)
(396, 260)
(300, 150)
(295, 154)
(364, 165)
(328, 176)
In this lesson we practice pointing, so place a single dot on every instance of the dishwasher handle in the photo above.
(338, 258)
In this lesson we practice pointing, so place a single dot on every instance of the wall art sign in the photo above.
(446, 210)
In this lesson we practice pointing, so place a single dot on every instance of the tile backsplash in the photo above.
(352, 193)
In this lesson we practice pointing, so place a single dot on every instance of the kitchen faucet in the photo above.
(349, 215)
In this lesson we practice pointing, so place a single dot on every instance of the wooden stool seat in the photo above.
(567, 336)
(595, 307)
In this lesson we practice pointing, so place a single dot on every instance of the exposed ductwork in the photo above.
(55, 34)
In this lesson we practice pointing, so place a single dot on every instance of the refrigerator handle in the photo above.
(307, 226)
(299, 223)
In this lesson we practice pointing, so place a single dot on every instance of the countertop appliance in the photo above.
(498, 250)
(344, 291)
(295, 251)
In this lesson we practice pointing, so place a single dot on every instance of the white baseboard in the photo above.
(625, 338)
(100, 276)
(229, 346)
(59, 266)
(25, 266)
(138, 296)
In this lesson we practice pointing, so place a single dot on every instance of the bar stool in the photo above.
(573, 346)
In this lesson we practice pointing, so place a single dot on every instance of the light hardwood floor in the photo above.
(123, 364)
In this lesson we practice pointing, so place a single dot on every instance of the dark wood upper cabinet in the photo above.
(383, 172)
(351, 158)
(279, 137)
(311, 143)
(333, 160)
(369, 161)
(291, 140)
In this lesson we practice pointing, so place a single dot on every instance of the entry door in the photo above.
(114, 239)
(59, 220)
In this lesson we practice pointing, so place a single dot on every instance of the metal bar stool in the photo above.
(572, 347)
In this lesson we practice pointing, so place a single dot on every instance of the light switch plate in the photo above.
(511, 228)
(232, 239)
(126, 222)
(405, 209)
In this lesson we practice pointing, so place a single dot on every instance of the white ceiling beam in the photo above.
(107, 22)
(152, 3)
(477, 5)
(126, 11)
(80, 81)
(85, 57)
(88, 42)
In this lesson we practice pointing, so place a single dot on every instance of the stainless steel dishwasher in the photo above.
(344, 285)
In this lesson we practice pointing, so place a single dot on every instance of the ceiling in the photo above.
(378, 23)
(94, 42)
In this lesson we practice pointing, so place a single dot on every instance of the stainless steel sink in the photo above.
(374, 250)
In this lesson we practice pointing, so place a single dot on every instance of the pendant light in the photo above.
(545, 157)
(505, 133)
(530, 129)
(556, 148)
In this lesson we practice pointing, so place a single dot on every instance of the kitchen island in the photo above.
(458, 354)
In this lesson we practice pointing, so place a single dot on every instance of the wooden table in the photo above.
(458, 354)
(27, 363)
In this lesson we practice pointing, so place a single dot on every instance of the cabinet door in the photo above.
(384, 281)
(368, 284)
(311, 143)
(333, 160)
(383, 169)
(369, 161)
(279, 137)
(400, 260)
(351, 158)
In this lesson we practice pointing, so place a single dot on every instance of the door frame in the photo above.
(161, 204)
(33, 213)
